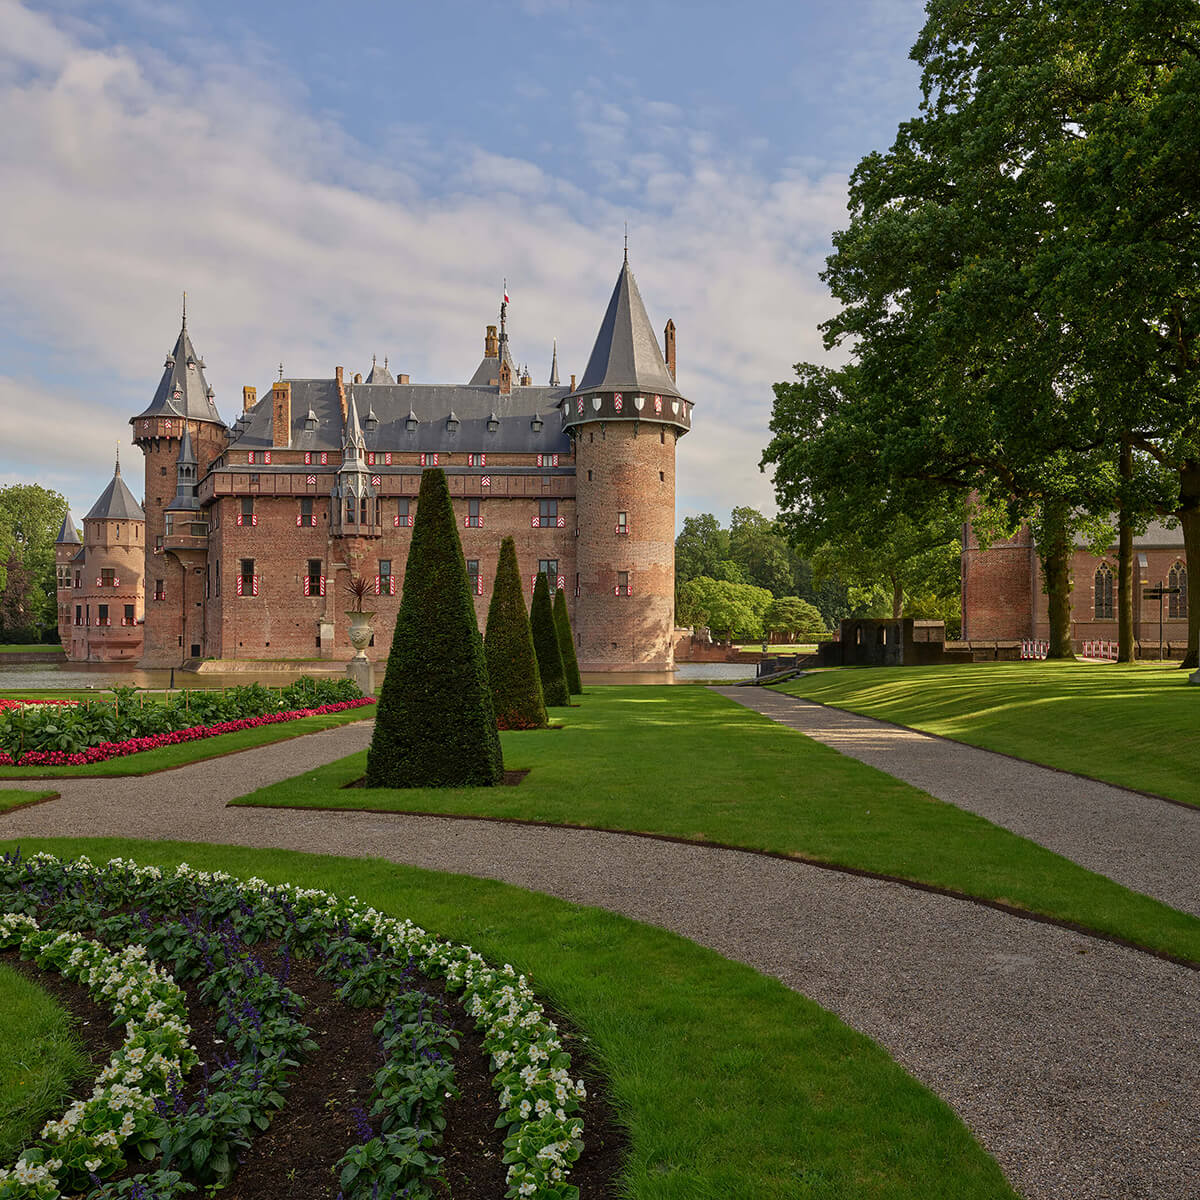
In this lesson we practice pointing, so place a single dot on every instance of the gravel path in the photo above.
(1073, 1060)
(1146, 844)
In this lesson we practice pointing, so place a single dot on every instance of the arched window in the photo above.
(1177, 602)
(1103, 586)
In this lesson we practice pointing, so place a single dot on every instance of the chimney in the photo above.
(401, 378)
(572, 383)
(505, 378)
(281, 412)
(358, 377)
(249, 398)
(491, 343)
(669, 339)
(341, 391)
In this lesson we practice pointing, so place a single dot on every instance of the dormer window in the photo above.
(410, 422)
(310, 421)
(536, 424)
(371, 422)
(452, 424)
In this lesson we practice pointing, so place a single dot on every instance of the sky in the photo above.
(333, 181)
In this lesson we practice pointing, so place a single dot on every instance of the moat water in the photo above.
(63, 676)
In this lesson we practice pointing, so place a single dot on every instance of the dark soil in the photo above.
(329, 1096)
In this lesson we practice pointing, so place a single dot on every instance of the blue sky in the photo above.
(333, 181)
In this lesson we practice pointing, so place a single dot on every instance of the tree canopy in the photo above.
(30, 518)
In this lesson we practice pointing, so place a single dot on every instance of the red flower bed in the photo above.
(22, 703)
(107, 750)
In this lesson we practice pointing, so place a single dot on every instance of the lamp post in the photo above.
(1157, 593)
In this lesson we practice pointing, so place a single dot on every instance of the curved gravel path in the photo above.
(1073, 1060)
(1146, 844)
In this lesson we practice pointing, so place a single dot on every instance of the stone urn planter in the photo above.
(360, 632)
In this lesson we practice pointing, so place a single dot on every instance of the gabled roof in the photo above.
(626, 356)
(116, 502)
(183, 390)
(379, 374)
(67, 533)
(488, 370)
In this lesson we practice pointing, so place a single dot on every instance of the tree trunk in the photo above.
(1189, 520)
(1056, 566)
(1126, 646)
(897, 600)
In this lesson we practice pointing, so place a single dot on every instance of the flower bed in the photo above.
(107, 750)
(7, 703)
(203, 925)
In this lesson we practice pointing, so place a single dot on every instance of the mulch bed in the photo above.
(329, 1095)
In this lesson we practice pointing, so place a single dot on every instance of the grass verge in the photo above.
(729, 1083)
(686, 762)
(11, 798)
(1137, 725)
(33, 648)
(40, 1057)
(166, 758)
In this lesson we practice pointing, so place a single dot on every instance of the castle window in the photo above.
(385, 581)
(362, 511)
(589, 475)
(79, 614)
(547, 460)
(108, 577)
(662, 436)
(577, 585)
(247, 516)
(160, 589)
(162, 470)
(247, 584)
(473, 519)
(118, 533)
(404, 514)
(1178, 603)
(218, 576)
(314, 581)
(476, 460)
(622, 522)
(661, 477)
(102, 617)
(350, 509)
(1103, 587)
(623, 588)
(473, 576)
(128, 618)
(546, 482)
(429, 460)
(307, 516)
(547, 517)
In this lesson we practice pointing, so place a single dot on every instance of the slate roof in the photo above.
(67, 533)
(379, 374)
(116, 502)
(183, 390)
(627, 356)
(432, 404)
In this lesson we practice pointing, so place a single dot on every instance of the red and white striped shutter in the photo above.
(562, 582)
(486, 481)
(322, 585)
(562, 522)
(391, 585)
(307, 584)
(311, 479)
(387, 458)
(254, 518)
(378, 584)
(97, 580)
(255, 592)
(532, 583)
(376, 480)
(396, 521)
(618, 401)
(308, 458)
(658, 405)
(324, 458)
(370, 458)
(267, 457)
(250, 457)
(240, 584)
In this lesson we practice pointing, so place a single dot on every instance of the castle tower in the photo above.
(185, 540)
(182, 401)
(625, 417)
(67, 547)
(110, 592)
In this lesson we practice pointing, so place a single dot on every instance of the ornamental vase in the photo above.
(360, 632)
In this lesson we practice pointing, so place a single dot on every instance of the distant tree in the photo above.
(17, 623)
(545, 643)
(796, 619)
(566, 643)
(30, 517)
(699, 547)
(435, 725)
(759, 547)
(508, 646)
(733, 610)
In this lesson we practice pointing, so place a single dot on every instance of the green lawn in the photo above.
(34, 648)
(730, 1085)
(11, 798)
(40, 1057)
(1137, 726)
(688, 763)
(167, 757)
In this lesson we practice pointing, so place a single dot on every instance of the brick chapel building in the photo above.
(253, 531)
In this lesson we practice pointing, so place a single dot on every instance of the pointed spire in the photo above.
(185, 499)
(554, 382)
(117, 468)
(185, 310)
(116, 502)
(183, 391)
(187, 455)
(67, 533)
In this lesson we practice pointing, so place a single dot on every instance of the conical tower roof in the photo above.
(183, 390)
(116, 502)
(626, 356)
(68, 535)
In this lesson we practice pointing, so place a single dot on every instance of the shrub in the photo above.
(566, 643)
(435, 726)
(545, 643)
(508, 646)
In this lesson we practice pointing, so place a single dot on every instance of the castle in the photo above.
(251, 533)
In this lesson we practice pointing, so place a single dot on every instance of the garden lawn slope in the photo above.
(730, 1084)
(1137, 726)
(687, 763)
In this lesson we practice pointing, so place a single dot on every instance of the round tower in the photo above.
(625, 416)
(67, 548)
(183, 400)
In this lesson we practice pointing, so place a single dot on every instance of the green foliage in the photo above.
(545, 643)
(508, 644)
(699, 547)
(30, 517)
(730, 610)
(796, 619)
(566, 643)
(435, 725)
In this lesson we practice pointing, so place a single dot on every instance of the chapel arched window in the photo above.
(1103, 587)
(1178, 601)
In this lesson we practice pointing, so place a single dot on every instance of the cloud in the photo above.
(131, 179)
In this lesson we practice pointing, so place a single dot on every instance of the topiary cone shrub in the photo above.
(545, 643)
(434, 725)
(508, 647)
(566, 643)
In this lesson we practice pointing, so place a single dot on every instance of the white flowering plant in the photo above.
(537, 1098)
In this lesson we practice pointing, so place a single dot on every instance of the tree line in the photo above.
(30, 518)
(1019, 300)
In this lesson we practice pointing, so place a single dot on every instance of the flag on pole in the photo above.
(506, 291)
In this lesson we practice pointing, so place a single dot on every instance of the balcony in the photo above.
(186, 535)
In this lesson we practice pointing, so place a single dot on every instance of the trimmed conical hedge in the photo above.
(434, 724)
(508, 646)
(545, 643)
(566, 643)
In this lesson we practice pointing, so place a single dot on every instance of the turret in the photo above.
(355, 508)
(625, 416)
(66, 546)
